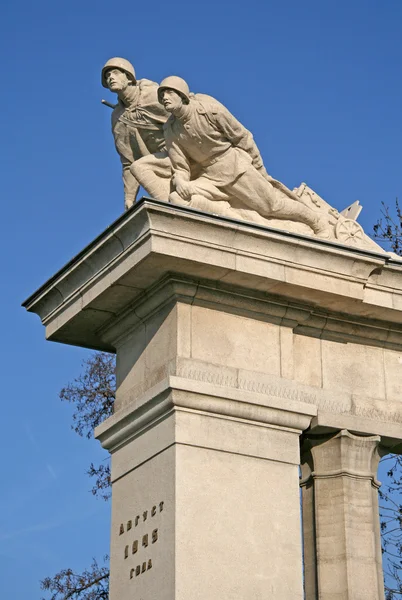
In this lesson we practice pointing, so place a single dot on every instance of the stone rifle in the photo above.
(109, 104)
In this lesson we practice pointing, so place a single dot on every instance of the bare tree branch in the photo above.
(91, 584)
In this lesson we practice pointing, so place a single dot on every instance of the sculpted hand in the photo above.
(184, 188)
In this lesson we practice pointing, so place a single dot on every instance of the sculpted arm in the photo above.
(180, 169)
(131, 185)
(180, 163)
(238, 135)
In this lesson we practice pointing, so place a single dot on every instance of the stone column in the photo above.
(342, 545)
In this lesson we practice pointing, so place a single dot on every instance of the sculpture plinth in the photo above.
(232, 339)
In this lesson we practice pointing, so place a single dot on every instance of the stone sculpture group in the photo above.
(188, 149)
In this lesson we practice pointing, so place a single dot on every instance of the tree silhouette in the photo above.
(92, 394)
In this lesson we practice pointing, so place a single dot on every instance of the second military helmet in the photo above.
(174, 83)
(119, 63)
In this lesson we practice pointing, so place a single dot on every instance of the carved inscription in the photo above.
(144, 541)
(146, 565)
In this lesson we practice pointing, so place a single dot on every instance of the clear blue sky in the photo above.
(318, 83)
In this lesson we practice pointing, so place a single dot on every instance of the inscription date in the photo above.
(153, 538)
(157, 508)
(145, 539)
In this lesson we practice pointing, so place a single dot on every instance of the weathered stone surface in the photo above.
(231, 335)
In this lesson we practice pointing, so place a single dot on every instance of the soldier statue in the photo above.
(214, 156)
(137, 121)
(188, 149)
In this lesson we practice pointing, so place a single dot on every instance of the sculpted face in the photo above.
(171, 100)
(116, 80)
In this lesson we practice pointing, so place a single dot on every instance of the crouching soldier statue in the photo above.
(137, 122)
(214, 158)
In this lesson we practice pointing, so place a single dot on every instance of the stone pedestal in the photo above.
(223, 467)
(232, 340)
(342, 550)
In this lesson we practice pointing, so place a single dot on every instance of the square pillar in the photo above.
(205, 495)
(205, 473)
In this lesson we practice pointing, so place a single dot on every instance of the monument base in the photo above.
(205, 494)
(231, 340)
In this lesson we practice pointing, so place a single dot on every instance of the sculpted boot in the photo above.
(297, 211)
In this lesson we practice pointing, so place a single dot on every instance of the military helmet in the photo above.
(174, 83)
(119, 63)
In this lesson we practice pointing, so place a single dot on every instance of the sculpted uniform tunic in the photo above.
(138, 130)
(208, 147)
(208, 142)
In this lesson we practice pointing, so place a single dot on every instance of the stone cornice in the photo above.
(155, 239)
(175, 393)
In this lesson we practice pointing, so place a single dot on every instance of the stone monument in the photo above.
(242, 334)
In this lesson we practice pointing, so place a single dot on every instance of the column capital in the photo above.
(341, 454)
